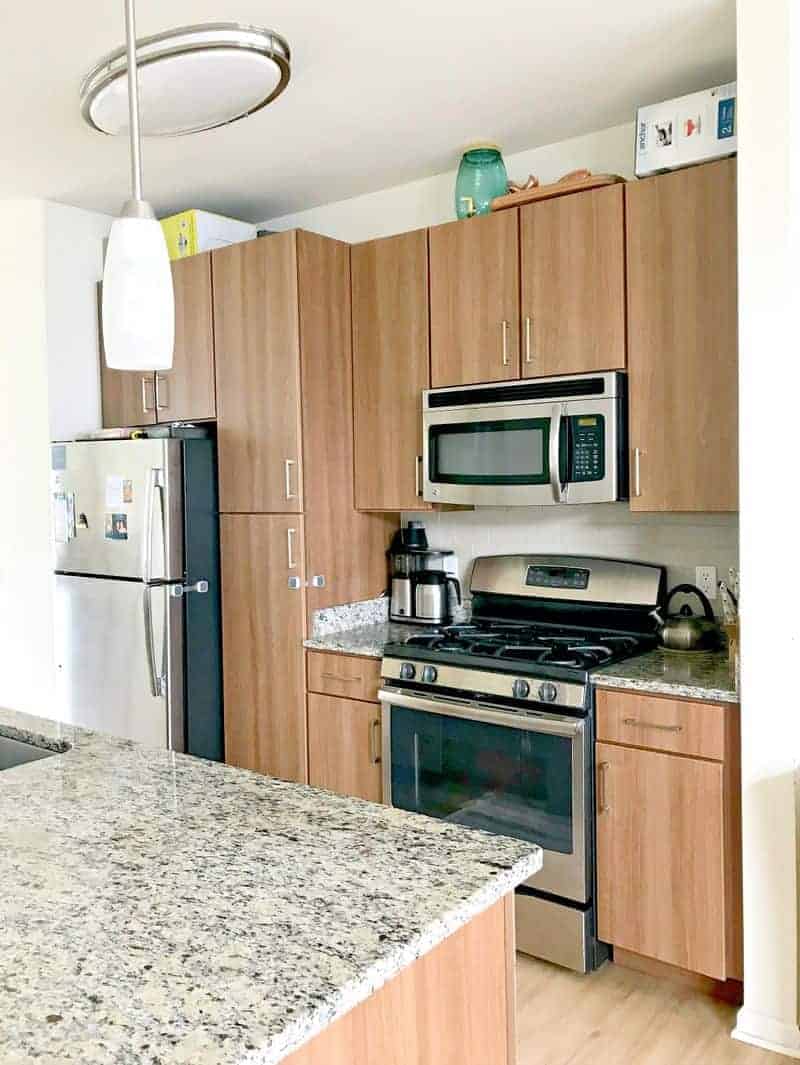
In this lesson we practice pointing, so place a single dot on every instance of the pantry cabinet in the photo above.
(668, 843)
(474, 291)
(682, 339)
(573, 283)
(263, 626)
(186, 391)
(344, 744)
(391, 368)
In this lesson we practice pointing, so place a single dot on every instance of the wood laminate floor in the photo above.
(620, 1017)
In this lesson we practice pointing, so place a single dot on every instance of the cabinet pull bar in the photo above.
(528, 348)
(504, 334)
(602, 805)
(162, 380)
(375, 741)
(636, 723)
(145, 381)
(637, 471)
(335, 676)
(290, 534)
(287, 473)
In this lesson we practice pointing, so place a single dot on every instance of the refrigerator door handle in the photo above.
(156, 679)
(155, 485)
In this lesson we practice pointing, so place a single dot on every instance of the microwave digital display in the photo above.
(556, 577)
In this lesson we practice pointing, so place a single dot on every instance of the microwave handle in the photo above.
(554, 456)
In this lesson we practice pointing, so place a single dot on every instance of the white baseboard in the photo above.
(767, 1033)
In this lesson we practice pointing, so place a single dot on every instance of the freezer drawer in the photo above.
(117, 508)
(104, 678)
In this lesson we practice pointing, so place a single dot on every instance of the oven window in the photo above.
(504, 780)
(513, 451)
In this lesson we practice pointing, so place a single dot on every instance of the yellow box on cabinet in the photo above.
(194, 231)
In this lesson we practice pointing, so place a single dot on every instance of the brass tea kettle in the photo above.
(686, 631)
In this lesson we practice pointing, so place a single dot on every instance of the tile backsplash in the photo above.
(678, 541)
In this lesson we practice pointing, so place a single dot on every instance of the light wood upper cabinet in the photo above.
(682, 339)
(127, 398)
(573, 283)
(344, 746)
(263, 625)
(474, 286)
(391, 367)
(186, 392)
(257, 341)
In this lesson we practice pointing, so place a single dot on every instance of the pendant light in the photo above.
(138, 299)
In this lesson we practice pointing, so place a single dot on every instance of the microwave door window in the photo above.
(507, 781)
(512, 451)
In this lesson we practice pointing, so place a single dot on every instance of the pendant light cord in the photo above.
(133, 101)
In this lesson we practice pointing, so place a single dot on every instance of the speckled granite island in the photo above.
(156, 909)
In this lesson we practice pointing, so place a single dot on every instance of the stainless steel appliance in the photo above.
(137, 614)
(490, 724)
(527, 443)
(410, 557)
(432, 597)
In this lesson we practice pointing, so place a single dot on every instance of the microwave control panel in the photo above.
(587, 453)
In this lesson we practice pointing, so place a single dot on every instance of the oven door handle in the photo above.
(550, 724)
(554, 455)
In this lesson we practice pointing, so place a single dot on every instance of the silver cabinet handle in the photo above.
(295, 584)
(317, 581)
(148, 381)
(528, 348)
(375, 741)
(637, 471)
(418, 474)
(336, 676)
(602, 770)
(290, 559)
(636, 723)
(161, 380)
(287, 473)
(504, 334)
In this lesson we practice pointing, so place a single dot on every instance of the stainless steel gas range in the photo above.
(490, 724)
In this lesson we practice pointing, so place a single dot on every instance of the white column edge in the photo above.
(767, 1033)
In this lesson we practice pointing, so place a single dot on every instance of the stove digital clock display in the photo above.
(556, 577)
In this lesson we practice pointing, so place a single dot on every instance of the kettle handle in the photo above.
(691, 589)
(457, 585)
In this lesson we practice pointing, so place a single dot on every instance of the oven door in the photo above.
(520, 775)
(522, 454)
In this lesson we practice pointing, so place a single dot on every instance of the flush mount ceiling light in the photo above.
(190, 79)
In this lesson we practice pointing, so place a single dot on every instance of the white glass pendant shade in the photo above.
(138, 299)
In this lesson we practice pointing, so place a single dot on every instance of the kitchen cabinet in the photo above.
(344, 745)
(682, 339)
(391, 367)
(668, 844)
(474, 292)
(572, 251)
(334, 673)
(185, 392)
(263, 624)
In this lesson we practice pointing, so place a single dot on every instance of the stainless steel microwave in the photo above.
(528, 443)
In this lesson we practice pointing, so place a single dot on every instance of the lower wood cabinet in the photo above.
(344, 746)
(263, 626)
(668, 844)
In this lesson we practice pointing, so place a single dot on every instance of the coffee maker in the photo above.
(414, 565)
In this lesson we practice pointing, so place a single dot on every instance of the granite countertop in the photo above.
(366, 640)
(701, 675)
(157, 909)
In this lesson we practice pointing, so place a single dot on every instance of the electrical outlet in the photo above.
(705, 577)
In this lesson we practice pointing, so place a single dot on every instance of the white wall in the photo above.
(74, 265)
(26, 648)
(769, 293)
(431, 200)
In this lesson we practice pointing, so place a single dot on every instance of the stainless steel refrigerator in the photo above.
(137, 611)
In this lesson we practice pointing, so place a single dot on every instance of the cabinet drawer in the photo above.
(676, 725)
(351, 675)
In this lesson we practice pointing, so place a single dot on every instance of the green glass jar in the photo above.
(481, 177)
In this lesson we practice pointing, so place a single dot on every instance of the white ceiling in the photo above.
(380, 93)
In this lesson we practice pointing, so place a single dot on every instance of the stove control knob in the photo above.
(407, 671)
(520, 688)
(429, 674)
(548, 692)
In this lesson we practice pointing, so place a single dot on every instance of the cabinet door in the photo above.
(344, 746)
(661, 857)
(186, 392)
(127, 397)
(345, 550)
(263, 624)
(573, 283)
(391, 367)
(257, 345)
(682, 339)
(474, 284)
